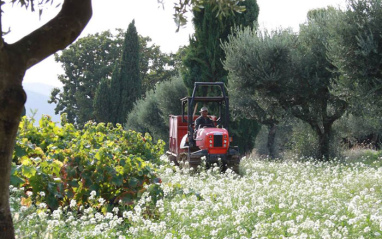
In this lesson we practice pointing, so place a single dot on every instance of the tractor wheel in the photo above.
(233, 165)
(182, 160)
(185, 164)
(172, 158)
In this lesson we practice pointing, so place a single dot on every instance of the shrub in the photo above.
(151, 113)
(66, 163)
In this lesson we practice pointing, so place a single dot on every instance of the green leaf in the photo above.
(37, 182)
(52, 201)
(19, 151)
(117, 180)
(133, 182)
(28, 171)
(16, 181)
(73, 183)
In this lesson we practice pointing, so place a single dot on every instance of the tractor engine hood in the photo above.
(215, 140)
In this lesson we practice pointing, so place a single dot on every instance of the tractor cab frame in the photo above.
(187, 145)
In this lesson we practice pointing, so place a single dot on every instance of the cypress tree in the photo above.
(115, 94)
(102, 102)
(204, 55)
(130, 75)
(126, 83)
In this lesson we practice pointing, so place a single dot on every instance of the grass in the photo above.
(271, 199)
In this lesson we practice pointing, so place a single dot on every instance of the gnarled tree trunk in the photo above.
(324, 136)
(15, 59)
(271, 146)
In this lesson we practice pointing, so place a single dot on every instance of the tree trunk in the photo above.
(324, 142)
(15, 59)
(12, 100)
(271, 140)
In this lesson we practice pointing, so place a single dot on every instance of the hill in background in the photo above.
(38, 95)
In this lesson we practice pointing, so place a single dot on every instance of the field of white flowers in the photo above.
(271, 199)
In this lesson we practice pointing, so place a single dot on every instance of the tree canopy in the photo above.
(204, 56)
(150, 114)
(93, 58)
(288, 72)
(356, 51)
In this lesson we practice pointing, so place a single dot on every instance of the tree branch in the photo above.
(56, 34)
(340, 109)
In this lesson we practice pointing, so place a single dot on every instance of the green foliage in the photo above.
(244, 133)
(94, 59)
(127, 88)
(204, 56)
(281, 71)
(203, 60)
(302, 141)
(66, 163)
(222, 8)
(85, 63)
(360, 131)
(102, 109)
(168, 95)
(151, 113)
(366, 156)
(356, 51)
(146, 116)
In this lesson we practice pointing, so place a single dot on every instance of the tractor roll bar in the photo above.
(190, 101)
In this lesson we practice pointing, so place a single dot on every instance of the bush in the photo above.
(360, 131)
(151, 114)
(66, 163)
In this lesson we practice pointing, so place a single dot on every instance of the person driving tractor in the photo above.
(203, 120)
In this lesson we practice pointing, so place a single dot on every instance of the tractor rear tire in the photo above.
(234, 166)
(184, 163)
(172, 158)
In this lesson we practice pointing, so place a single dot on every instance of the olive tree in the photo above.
(356, 51)
(151, 114)
(289, 72)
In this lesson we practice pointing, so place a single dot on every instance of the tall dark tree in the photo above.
(101, 104)
(126, 83)
(203, 60)
(204, 55)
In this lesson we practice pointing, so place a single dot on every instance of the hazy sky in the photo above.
(150, 20)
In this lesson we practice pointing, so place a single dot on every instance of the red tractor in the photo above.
(187, 145)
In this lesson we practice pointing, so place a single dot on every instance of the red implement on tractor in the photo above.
(187, 145)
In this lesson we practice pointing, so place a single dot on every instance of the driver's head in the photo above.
(204, 111)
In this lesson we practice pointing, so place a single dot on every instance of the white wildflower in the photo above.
(73, 203)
